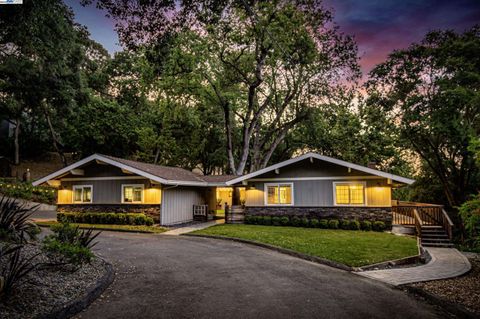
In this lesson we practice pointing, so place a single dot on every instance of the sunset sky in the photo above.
(379, 26)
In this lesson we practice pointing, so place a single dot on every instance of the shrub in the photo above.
(267, 220)
(333, 224)
(378, 226)
(304, 222)
(323, 223)
(105, 218)
(366, 225)
(284, 221)
(28, 191)
(276, 221)
(354, 225)
(296, 221)
(344, 224)
(314, 223)
(70, 244)
(470, 214)
(14, 221)
(15, 268)
(248, 219)
(67, 252)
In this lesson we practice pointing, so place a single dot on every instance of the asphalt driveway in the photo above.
(188, 277)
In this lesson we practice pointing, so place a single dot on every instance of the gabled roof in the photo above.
(161, 174)
(360, 168)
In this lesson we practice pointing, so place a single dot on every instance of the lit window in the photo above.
(132, 193)
(82, 193)
(279, 194)
(349, 194)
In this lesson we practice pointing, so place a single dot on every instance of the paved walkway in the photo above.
(445, 263)
(193, 227)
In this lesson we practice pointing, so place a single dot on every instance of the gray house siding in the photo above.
(177, 204)
(316, 169)
(314, 193)
(105, 191)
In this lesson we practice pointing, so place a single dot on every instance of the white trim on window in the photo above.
(265, 193)
(350, 183)
(133, 185)
(82, 187)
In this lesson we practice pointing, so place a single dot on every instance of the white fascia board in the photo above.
(326, 159)
(102, 159)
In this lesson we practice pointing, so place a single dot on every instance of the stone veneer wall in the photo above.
(359, 213)
(147, 209)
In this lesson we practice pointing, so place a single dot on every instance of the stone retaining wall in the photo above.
(359, 213)
(147, 209)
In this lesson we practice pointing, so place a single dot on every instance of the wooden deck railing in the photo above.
(420, 214)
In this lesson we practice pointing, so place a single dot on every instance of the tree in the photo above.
(41, 54)
(264, 64)
(430, 92)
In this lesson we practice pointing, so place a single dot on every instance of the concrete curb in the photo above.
(421, 257)
(449, 306)
(75, 306)
(314, 259)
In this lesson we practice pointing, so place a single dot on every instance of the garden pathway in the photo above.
(445, 263)
(193, 227)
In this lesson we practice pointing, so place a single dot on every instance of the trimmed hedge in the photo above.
(316, 223)
(106, 218)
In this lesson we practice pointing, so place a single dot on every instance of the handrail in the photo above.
(418, 222)
(448, 225)
(447, 217)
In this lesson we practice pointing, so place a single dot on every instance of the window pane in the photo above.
(77, 197)
(273, 194)
(87, 194)
(128, 194)
(285, 194)
(356, 194)
(137, 194)
(342, 194)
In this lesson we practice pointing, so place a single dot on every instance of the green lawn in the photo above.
(130, 228)
(352, 248)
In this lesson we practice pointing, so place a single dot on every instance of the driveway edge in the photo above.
(293, 253)
(75, 306)
(447, 305)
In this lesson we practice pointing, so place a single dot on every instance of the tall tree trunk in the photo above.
(228, 129)
(56, 142)
(16, 141)
(157, 155)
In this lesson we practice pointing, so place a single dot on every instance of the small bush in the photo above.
(248, 220)
(276, 221)
(470, 214)
(284, 221)
(314, 223)
(344, 224)
(267, 220)
(14, 221)
(333, 224)
(354, 225)
(105, 218)
(304, 222)
(69, 244)
(366, 225)
(323, 223)
(296, 221)
(67, 252)
(378, 226)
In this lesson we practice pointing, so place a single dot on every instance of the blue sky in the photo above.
(379, 26)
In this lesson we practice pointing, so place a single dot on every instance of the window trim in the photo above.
(133, 185)
(364, 183)
(265, 193)
(82, 187)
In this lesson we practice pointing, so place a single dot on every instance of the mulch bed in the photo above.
(464, 290)
(47, 289)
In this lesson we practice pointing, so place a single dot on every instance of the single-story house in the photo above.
(307, 185)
